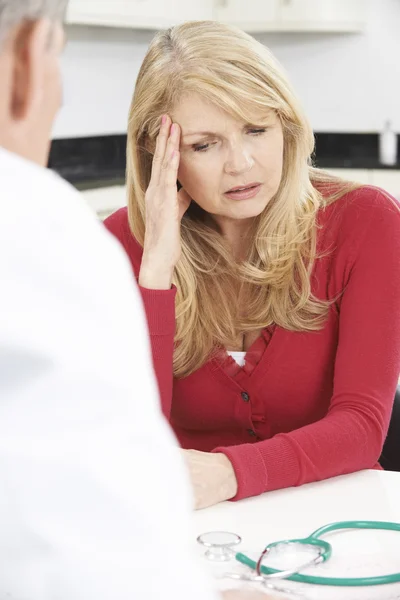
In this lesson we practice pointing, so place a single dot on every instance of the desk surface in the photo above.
(296, 512)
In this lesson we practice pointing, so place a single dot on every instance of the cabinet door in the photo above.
(104, 201)
(150, 14)
(387, 179)
(323, 15)
(359, 175)
(251, 15)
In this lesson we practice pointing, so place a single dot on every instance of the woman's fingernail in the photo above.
(173, 128)
(164, 119)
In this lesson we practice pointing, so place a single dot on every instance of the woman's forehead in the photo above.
(194, 112)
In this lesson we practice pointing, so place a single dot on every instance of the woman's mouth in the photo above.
(244, 192)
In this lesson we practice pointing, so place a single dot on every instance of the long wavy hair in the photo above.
(217, 296)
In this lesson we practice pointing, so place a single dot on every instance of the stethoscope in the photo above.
(220, 547)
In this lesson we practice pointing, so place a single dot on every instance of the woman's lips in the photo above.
(244, 194)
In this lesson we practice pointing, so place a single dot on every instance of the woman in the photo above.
(271, 288)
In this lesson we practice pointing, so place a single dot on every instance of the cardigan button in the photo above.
(252, 432)
(245, 396)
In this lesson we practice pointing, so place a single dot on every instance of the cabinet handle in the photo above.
(286, 2)
(222, 3)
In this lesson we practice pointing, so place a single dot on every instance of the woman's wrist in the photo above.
(155, 276)
(229, 487)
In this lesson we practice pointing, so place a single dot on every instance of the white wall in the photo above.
(348, 82)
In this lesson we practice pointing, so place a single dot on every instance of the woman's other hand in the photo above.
(212, 475)
(165, 207)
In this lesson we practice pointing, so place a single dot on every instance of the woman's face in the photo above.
(219, 153)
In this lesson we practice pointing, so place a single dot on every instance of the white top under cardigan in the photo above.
(238, 357)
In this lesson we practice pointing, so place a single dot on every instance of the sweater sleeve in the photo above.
(367, 365)
(159, 306)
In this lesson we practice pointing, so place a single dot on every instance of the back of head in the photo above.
(15, 12)
(31, 40)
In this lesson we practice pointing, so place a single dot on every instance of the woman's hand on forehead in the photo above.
(165, 207)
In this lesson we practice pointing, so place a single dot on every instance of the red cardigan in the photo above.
(317, 404)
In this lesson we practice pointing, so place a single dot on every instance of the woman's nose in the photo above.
(239, 161)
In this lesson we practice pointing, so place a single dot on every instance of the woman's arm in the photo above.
(159, 305)
(367, 366)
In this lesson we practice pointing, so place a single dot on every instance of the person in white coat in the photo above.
(94, 502)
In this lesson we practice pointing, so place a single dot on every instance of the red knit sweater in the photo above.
(317, 404)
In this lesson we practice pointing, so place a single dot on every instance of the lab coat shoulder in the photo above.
(59, 265)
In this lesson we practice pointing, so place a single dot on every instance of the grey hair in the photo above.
(13, 12)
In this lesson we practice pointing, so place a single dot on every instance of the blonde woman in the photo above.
(271, 288)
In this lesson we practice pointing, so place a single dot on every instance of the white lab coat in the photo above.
(94, 501)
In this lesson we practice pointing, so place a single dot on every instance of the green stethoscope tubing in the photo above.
(326, 553)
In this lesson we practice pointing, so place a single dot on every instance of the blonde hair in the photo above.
(238, 74)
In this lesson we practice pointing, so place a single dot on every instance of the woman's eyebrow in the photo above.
(203, 133)
(214, 133)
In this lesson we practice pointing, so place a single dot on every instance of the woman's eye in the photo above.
(202, 147)
(205, 147)
(257, 131)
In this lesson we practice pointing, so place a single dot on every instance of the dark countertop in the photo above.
(86, 162)
(349, 151)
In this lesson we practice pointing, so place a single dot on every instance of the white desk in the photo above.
(296, 512)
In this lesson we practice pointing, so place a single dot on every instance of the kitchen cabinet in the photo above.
(293, 15)
(137, 14)
(323, 15)
(388, 180)
(250, 15)
(358, 175)
(104, 201)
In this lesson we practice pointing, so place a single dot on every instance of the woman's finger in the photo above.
(184, 202)
(161, 147)
(169, 174)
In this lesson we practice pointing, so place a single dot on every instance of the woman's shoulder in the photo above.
(118, 224)
(363, 216)
(358, 208)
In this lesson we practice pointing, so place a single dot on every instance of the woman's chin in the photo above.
(247, 209)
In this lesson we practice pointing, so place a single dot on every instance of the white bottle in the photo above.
(388, 145)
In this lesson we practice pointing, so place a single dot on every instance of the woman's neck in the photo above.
(237, 234)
